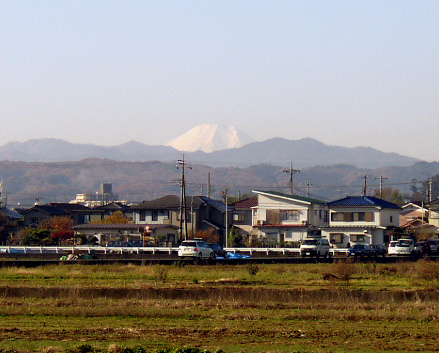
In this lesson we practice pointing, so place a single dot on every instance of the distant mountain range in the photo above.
(305, 152)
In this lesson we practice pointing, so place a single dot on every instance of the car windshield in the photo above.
(310, 242)
(358, 246)
(189, 243)
(404, 243)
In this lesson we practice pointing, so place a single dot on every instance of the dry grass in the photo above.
(280, 308)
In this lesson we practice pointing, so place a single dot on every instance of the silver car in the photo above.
(196, 248)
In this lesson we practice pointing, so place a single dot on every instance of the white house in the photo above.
(282, 218)
(360, 220)
(433, 215)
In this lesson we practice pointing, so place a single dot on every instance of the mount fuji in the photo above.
(210, 138)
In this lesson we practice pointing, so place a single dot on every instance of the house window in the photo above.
(290, 215)
(391, 219)
(239, 217)
(352, 216)
(359, 216)
(336, 238)
(142, 216)
(337, 216)
(357, 238)
(154, 216)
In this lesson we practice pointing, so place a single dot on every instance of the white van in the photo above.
(315, 247)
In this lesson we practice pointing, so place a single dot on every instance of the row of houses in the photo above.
(268, 219)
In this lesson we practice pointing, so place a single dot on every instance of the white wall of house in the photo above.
(152, 216)
(433, 217)
(351, 236)
(292, 212)
(389, 217)
(365, 225)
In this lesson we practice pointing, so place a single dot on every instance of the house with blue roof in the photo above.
(284, 218)
(361, 220)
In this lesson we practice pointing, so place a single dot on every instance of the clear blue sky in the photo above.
(350, 73)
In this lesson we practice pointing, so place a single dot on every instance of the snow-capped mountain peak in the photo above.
(209, 138)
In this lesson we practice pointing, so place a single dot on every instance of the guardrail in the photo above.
(86, 249)
(143, 250)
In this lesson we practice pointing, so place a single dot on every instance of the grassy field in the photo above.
(339, 307)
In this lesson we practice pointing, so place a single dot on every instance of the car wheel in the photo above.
(200, 255)
(318, 254)
(212, 255)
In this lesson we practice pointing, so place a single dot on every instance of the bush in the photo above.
(36, 236)
(253, 269)
(161, 274)
(344, 269)
(427, 269)
(83, 348)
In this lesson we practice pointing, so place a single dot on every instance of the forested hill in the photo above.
(137, 181)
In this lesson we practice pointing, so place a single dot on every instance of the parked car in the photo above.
(360, 250)
(434, 246)
(423, 248)
(218, 250)
(119, 244)
(391, 250)
(195, 248)
(315, 247)
(379, 250)
(405, 247)
(140, 244)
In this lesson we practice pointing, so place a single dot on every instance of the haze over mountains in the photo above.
(305, 152)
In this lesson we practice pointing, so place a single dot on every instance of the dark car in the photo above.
(379, 250)
(423, 248)
(360, 250)
(122, 244)
(218, 250)
(140, 244)
(119, 244)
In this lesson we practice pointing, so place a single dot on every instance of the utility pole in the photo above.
(381, 178)
(208, 185)
(291, 170)
(365, 183)
(307, 184)
(225, 192)
(192, 215)
(181, 163)
(1, 193)
(430, 189)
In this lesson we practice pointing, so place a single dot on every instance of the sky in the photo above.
(347, 73)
